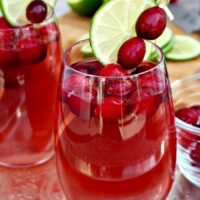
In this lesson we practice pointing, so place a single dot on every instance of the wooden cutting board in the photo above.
(72, 26)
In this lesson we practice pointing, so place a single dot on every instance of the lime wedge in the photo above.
(185, 48)
(84, 7)
(14, 11)
(165, 38)
(112, 25)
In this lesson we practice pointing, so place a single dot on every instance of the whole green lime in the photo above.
(85, 7)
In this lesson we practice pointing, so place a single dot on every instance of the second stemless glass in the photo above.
(30, 62)
(115, 135)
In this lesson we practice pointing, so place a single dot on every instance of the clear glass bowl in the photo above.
(186, 93)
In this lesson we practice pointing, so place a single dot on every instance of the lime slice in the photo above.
(86, 49)
(14, 11)
(168, 47)
(112, 25)
(165, 38)
(185, 48)
(84, 7)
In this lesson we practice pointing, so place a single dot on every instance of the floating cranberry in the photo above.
(144, 66)
(8, 55)
(187, 115)
(112, 70)
(82, 104)
(111, 108)
(118, 84)
(195, 154)
(91, 67)
(119, 87)
(144, 102)
(196, 108)
(36, 11)
(29, 31)
(73, 83)
(187, 139)
(151, 23)
(31, 50)
(131, 53)
(75, 90)
(50, 32)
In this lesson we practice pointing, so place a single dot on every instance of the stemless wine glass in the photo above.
(30, 63)
(115, 136)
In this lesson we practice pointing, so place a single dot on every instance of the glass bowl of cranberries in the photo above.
(187, 105)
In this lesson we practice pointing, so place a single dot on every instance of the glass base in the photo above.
(36, 160)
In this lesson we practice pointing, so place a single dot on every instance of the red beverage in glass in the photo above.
(30, 60)
(115, 135)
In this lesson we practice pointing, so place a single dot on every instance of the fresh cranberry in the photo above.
(91, 67)
(187, 115)
(151, 83)
(82, 104)
(8, 55)
(29, 31)
(119, 87)
(144, 66)
(75, 90)
(31, 50)
(196, 108)
(131, 53)
(186, 139)
(72, 84)
(79, 96)
(50, 32)
(36, 11)
(144, 102)
(151, 23)
(116, 86)
(111, 108)
(113, 70)
(195, 154)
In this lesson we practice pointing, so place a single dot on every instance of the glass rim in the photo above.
(50, 15)
(68, 51)
(179, 122)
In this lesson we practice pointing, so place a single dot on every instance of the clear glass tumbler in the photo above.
(186, 93)
(30, 63)
(115, 136)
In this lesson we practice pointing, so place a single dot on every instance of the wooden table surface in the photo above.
(40, 183)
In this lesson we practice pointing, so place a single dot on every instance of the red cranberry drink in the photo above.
(115, 120)
(30, 58)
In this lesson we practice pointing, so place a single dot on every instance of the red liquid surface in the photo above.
(27, 103)
(128, 159)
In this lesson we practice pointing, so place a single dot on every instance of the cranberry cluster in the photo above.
(20, 48)
(190, 115)
(117, 97)
(150, 25)
(189, 140)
